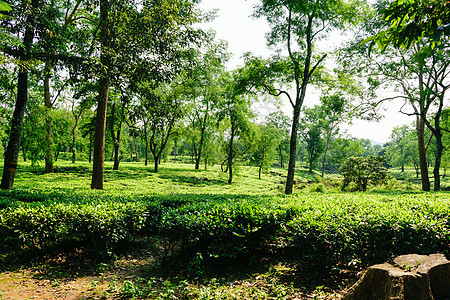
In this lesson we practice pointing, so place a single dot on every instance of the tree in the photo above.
(234, 108)
(311, 133)
(340, 149)
(12, 150)
(160, 110)
(410, 21)
(363, 171)
(203, 91)
(263, 154)
(280, 121)
(397, 148)
(103, 93)
(157, 42)
(300, 24)
(419, 75)
(334, 110)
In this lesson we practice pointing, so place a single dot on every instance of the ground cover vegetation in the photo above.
(92, 92)
(200, 227)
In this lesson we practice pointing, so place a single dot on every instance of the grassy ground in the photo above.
(271, 273)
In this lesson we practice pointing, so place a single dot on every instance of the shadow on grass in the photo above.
(193, 180)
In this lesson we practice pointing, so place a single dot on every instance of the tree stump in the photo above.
(407, 277)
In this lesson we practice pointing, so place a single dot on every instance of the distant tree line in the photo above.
(128, 81)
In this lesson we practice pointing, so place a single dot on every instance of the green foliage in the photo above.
(364, 171)
(263, 155)
(410, 21)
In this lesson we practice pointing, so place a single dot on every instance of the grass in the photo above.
(196, 233)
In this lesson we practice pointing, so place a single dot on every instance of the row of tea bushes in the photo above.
(330, 228)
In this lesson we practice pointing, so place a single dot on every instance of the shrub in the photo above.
(363, 171)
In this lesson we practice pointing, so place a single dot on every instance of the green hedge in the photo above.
(324, 229)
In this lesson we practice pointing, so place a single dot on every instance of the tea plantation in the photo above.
(197, 221)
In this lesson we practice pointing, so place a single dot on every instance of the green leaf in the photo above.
(4, 6)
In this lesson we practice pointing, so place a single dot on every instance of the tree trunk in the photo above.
(90, 147)
(100, 124)
(280, 150)
(260, 169)
(293, 151)
(13, 148)
(202, 140)
(146, 152)
(325, 153)
(230, 154)
(58, 150)
(74, 144)
(116, 151)
(437, 163)
(48, 123)
(422, 154)
(156, 164)
(406, 277)
(116, 137)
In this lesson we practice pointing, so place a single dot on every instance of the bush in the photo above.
(364, 171)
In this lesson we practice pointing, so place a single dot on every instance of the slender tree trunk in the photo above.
(116, 137)
(293, 151)
(90, 147)
(259, 173)
(280, 150)
(24, 153)
(416, 167)
(300, 94)
(48, 123)
(437, 162)
(74, 144)
(15, 136)
(100, 124)
(13, 148)
(58, 150)
(116, 150)
(202, 140)
(230, 154)
(422, 154)
(325, 153)
(146, 152)
(156, 164)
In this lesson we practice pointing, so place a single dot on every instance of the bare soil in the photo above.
(81, 274)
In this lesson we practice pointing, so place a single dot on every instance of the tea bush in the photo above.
(323, 229)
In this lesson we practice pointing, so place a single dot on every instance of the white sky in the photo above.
(243, 33)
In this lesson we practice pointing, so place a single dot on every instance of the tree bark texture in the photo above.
(13, 148)
(100, 125)
(48, 124)
(407, 277)
(230, 153)
(292, 151)
(422, 154)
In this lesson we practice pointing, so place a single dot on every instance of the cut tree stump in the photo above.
(407, 277)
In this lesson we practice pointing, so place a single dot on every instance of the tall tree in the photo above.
(103, 93)
(152, 40)
(311, 132)
(265, 149)
(161, 110)
(296, 26)
(12, 151)
(420, 76)
(234, 108)
(280, 121)
(203, 91)
(411, 21)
